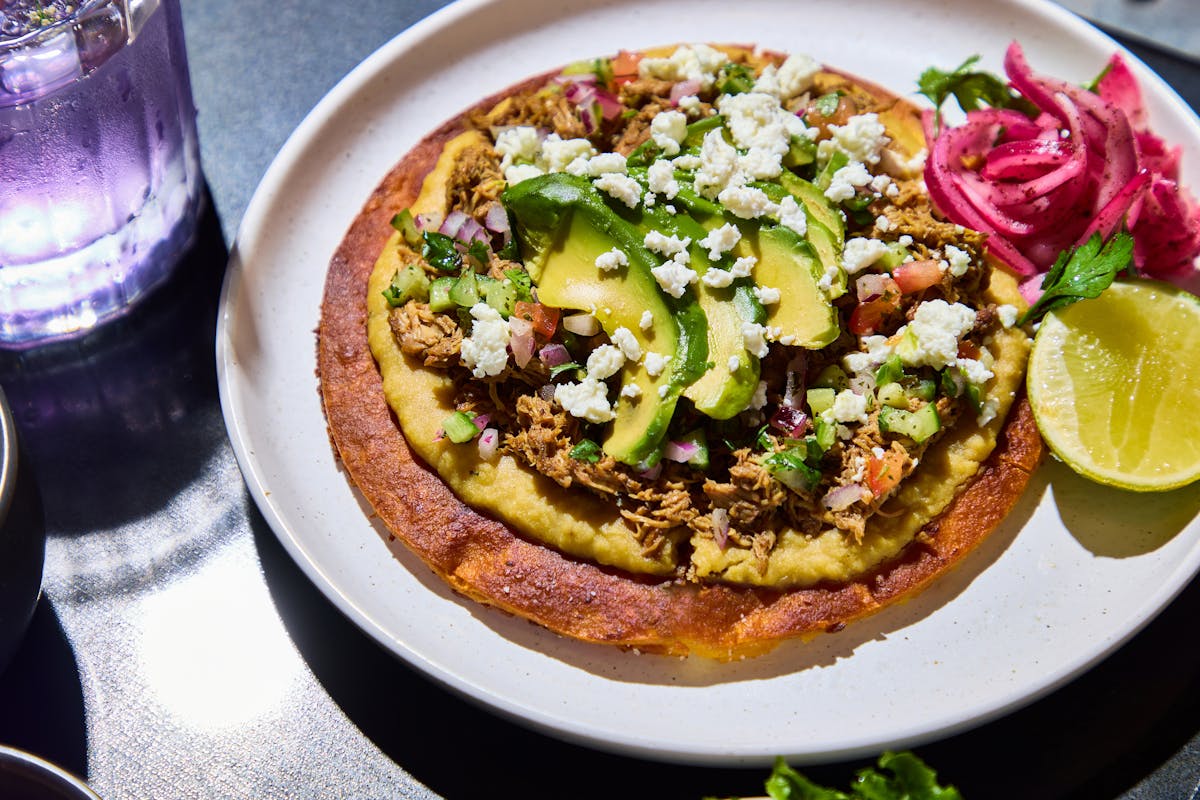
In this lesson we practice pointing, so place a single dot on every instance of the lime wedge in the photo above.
(1114, 384)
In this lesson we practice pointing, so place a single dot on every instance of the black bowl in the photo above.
(22, 542)
(26, 776)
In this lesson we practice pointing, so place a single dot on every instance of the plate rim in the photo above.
(276, 517)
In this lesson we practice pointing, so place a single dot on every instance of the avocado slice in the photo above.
(720, 393)
(789, 263)
(563, 224)
(786, 261)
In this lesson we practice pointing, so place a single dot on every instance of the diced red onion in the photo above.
(520, 341)
(793, 391)
(581, 324)
(792, 421)
(489, 440)
(546, 392)
(481, 420)
(652, 473)
(496, 219)
(843, 497)
(680, 451)
(684, 89)
(554, 355)
(453, 223)
(873, 285)
(472, 231)
(610, 106)
(720, 521)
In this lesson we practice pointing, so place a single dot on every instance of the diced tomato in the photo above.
(625, 67)
(883, 474)
(917, 275)
(878, 296)
(544, 319)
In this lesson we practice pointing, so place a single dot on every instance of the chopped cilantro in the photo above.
(479, 252)
(1082, 273)
(439, 250)
(586, 450)
(790, 468)
(827, 104)
(561, 368)
(899, 776)
(522, 283)
(735, 79)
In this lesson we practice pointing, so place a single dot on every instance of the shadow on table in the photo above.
(106, 418)
(41, 700)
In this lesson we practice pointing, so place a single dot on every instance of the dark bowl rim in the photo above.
(27, 763)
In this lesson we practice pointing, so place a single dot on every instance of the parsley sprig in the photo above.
(1082, 273)
(971, 88)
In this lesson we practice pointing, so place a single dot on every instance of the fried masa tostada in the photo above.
(670, 351)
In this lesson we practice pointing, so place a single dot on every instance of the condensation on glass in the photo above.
(100, 181)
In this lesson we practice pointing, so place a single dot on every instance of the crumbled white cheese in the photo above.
(674, 277)
(664, 390)
(974, 371)
(717, 278)
(746, 202)
(620, 187)
(768, 82)
(689, 105)
(754, 338)
(795, 75)
(959, 260)
(767, 295)
(605, 361)
(668, 129)
(688, 162)
(661, 178)
(792, 215)
(599, 165)
(883, 224)
(718, 165)
(631, 391)
(760, 396)
(861, 252)
(931, 339)
(520, 172)
(623, 338)
(742, 266)
(611, 260)
(557, 152)
(862, 138)
(518, 144)
(734, 363)
(761, 163)
(655, 363)
(1008, 315)
(847, 407)
(846, 181)
(664, 245)
(587, 400)
(988, 412)
(721, 240)
(697, 62)
(646, 322)
(485, 351)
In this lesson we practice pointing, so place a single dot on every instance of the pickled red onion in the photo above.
(1086, 164)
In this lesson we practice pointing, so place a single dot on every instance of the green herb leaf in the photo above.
(586, 450)
(523, 283)
(910, 779)
(735, 79)
(561, 368)
(1082, 273)
(479, 252)
(827, 104)
(970, 88)
(439, 250)
(786, 783)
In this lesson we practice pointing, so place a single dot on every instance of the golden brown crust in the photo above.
(486, 561)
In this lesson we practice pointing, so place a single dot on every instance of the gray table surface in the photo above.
(177, 652)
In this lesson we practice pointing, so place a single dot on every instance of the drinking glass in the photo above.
(100, 183)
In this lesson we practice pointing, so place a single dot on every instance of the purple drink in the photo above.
(99, 168)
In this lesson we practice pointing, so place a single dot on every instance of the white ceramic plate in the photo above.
(1071, 574)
